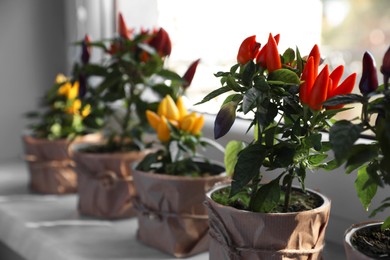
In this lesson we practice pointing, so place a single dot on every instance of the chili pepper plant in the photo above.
(372, 159)
(132, 79)
(66, 109)
(284, 93)
(180, 136)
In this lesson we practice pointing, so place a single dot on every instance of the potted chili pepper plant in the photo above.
(266, 212)
(371, 160)
(65, 117)
(171, 182)
(131, 79)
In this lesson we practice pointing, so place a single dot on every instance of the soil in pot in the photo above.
(300, 201)
(372, 241)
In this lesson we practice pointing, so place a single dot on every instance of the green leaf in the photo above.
(386, 224)
(317, 159)
(250, 98)
(247, 167)
(233, 148)
(261, 84)
(342, 135)
(344, 99)
(168, 74)
(248, 72)
(267, 197)
(214, 94)
(360, 154)
(365, 187)
(289, 56)
(285, 76)
(145, 164)
(233, 85)
(237, 98)
(381, 208)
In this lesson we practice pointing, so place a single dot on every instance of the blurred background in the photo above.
(36, 40)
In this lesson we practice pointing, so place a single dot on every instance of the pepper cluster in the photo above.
(171, 114)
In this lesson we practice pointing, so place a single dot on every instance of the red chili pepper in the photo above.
(248, 50)
(385, 68)
(318, 93)
(122, 28)
(336, 75)
(189, 74)
(161, 43)
(308, 80)
(345, 87)
(261, 56)
(315, 53)
(272, 55)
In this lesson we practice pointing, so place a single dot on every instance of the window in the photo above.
(213, 31)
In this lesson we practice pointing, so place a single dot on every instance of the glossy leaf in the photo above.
(267, 197)
(247, 167)
(342, 136)
(233, 148)
(365, 187)
(250, 100)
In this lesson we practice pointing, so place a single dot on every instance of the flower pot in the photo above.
(171, 214)
(240, 234)
(49, 163)
(105, 183)
(368, 247)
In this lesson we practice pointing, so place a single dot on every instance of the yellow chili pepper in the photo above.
(86, 110)
(153, 119)
(163, 132)
(180, 106)
(198, 125)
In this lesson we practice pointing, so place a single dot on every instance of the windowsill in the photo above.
(40, 227)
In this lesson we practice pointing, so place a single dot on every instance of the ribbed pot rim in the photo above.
(216, 187)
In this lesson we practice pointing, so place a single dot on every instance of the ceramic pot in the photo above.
(351, 251)
(240, 234)
(50, 165)
(171, 214)
(105, 183)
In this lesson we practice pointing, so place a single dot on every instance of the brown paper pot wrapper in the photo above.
(49, 163)
(240, 234)
(105, 183)
(351, 252)
(171, 212)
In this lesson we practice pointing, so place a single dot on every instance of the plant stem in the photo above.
(288, 190)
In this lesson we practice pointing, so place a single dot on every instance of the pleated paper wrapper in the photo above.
(171, 213)
(49, 164)
(105, 183)
(239, 234)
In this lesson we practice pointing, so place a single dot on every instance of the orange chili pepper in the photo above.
(308, 80)
(318, 93)
(315, 53)
(248, 50)
(122, 28)
(261, 56)
(272, 55)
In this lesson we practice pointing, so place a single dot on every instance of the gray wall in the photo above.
(32, 52)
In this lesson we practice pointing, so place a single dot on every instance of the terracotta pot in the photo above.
(105, 183)
(240, 234)
(50, 165)
(351, 252)
(171, 214)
